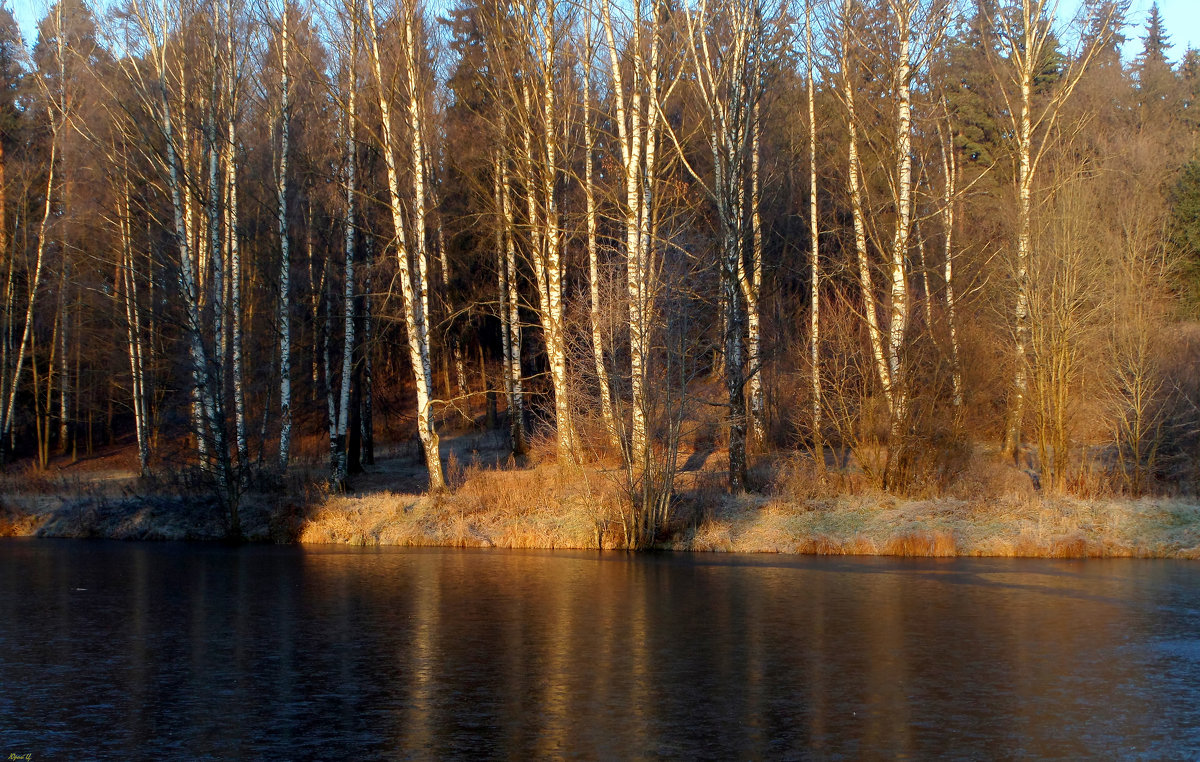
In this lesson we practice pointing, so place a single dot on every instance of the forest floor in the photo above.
(991, 509)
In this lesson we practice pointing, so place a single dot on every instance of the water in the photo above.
(148, 651)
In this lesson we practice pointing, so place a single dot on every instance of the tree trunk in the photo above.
(343, 412)
(589, 190)
(898, 324)
(814, 335)
(751, 291)
(234, 245)
(866, 285)
(510, 318)
(285, 262)
(415, 299)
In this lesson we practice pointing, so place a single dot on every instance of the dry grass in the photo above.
(545, 507)
(991, 510)
(541, 507)
(1045, 528)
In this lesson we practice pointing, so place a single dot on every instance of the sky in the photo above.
(1182, 19)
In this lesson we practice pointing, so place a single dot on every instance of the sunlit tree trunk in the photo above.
(902, 11)
(814, 335)
(540, 137)
(589, 191)
(1028, 37)
(415, 299)
(157, 97)
(637, 101)
(898, 325)
(234, 243)
(729, 77)
(343, 411)
(949, 198)
(854, 172)
(133, 332)
(752, 289)
(56, 117)
(509, 306)
(285, 260)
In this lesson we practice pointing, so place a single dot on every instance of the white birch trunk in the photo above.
(134, 336)
(343, 412)
(64, 376)
(285, 261)
(898, 325)
(950, 170)
(34, 284)
(1029, 36)
(814, 335)
(633, 131)
(866, 286)
(751, 289)
(204, 409)
(234, 245)
(415, 300)
(510, 309)
(556, 317)
(589, 190)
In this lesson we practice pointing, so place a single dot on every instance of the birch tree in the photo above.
(814, 242)
(285, 260)
(641, 83)
(848, 72)
(10, 376)
(136, 344)
(1028, 38)
(728, 47)
(591, 214)
(410, 240)
(162, 91)
(914, 29)
(950, 175)
(339, 422)
(232, 240)
(524, 56)
(510, 313)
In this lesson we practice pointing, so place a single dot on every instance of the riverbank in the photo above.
(1060, 527)
(543, 506)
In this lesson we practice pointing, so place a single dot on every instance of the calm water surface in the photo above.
(149, 651)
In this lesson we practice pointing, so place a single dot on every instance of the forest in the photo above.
(835, 245)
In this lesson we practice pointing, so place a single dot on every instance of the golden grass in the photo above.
(535, 508)
(1020, 527)
(547, 507)
(921, 544)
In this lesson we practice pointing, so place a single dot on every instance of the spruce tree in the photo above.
(1156, 83)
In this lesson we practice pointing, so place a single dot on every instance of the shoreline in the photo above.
(540, 508)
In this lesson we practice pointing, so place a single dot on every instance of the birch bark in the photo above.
(589, 191)
(854, 172)
(1027, 38)
(814, 335)
(343, 412)
(285, 260)
(509, 307)
(234, 243)
(752, 289)
(415, 298)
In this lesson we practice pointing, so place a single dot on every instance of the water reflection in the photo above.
(175, 650)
